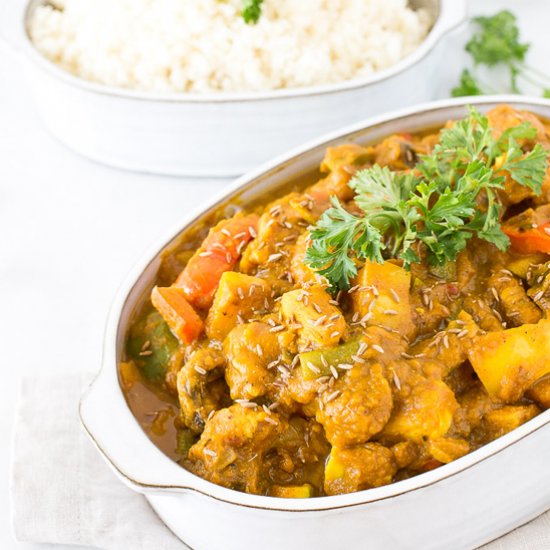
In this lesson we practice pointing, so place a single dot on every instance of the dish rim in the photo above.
(452, 13)
(108, 373)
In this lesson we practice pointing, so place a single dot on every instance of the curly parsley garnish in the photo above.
(497, 44)
(450, 196)
(252, 10)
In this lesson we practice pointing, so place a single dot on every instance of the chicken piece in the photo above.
(340, 163)
(298, 456)
(356, 407)
(483, 314)
(503, 117)
(232, 448)
(447, 449)
(405, 453)
(540, 392)
(505, 419)
(249, 449)
(249, 350)
(449, 346)
(358, 468)
(423, 408)
(517, 306)
(277, 227)
(348, 154)
(538, 278)
(301, 272)
(201, 388)
(396, 152)
(321, 323)
(510, 361)
(473, 405)
(382, 297)
(239, 298)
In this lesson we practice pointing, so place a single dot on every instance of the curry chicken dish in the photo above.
(386, 320)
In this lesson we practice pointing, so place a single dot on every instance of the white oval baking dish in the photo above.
(459, 505)
(219, 134)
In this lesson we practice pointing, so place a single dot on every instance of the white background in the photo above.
(71, 229)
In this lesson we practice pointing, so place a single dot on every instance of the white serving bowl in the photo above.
(220, 134)
(460, 505)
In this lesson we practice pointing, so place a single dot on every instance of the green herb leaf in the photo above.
(546, 93)
(337, 239)
(498, 40)
(252, 10)
(433, 210)
(467, 85)
(526, 169)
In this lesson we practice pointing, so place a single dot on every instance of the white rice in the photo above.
(205, 46)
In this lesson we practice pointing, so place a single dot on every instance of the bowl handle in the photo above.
(453, 13)
(115, 432)
(12, 22)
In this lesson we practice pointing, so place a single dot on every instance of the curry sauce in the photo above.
(245, 369)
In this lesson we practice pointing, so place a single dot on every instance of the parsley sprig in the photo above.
(252, 10)
(497, 44)
(434, 209)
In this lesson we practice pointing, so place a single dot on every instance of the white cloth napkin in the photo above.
(63, 492)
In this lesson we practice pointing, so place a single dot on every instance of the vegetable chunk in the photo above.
(509, 361)
(218, 253)
(383, 297)
(321, 322)
(358, 468)
(426, 411)
(293, 491)
(182, 319)
(238, 298)
(249, 349)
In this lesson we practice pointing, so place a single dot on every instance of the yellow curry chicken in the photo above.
(386, 320)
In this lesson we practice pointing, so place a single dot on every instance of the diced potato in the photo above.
(249, 349)
(426, 411)
(292, 491)
(357, 468)
(179, 315)
(520, 264)
(501, 421)
(129, 374)
(383, 297)
(320, 322)
(510, 361)
(447, 449)
(238, 296)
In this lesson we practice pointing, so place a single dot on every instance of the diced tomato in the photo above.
(180, 316)
(219, 252)
(529, 232)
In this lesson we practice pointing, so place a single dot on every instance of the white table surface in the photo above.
(71, 229)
